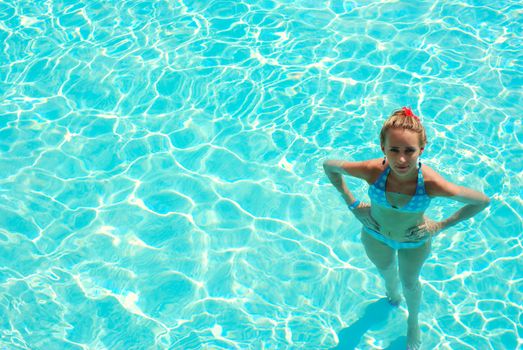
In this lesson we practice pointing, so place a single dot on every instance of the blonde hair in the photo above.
(402, 119)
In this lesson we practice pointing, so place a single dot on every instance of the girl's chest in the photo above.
(398, 200)
(399, 196)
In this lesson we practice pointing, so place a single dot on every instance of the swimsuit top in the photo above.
(418, 203)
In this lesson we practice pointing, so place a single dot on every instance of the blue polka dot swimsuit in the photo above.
(418, 203)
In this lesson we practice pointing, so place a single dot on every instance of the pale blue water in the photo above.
(161, 183)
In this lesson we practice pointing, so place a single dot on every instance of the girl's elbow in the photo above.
(485, 202)
(326, 166)
(329, 166)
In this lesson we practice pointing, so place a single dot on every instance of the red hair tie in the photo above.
(408, 113)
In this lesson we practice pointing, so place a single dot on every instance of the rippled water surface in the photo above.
(161, 183)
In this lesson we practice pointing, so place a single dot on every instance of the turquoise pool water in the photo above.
(161, 183)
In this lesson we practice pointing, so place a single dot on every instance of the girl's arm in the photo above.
(475, 201)
(335, 169)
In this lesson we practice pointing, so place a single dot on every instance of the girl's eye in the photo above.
(394, 150)
(410, 150)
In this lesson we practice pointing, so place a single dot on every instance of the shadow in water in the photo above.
(374, 315)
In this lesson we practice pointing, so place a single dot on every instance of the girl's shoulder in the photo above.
(367, 170)
(374, 169)
(435, 184)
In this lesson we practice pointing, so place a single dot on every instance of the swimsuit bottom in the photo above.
(392, 243)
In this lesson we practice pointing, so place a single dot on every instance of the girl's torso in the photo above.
(397, 207)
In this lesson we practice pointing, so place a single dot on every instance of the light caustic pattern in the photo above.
(161, 182)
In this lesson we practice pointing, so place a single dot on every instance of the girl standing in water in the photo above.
(396, 235)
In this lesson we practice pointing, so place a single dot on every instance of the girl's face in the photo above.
(402, 148)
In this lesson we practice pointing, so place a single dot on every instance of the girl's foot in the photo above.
(394, 298)
(413, 336)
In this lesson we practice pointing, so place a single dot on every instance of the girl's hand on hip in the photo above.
(427, 229)
(362, 213)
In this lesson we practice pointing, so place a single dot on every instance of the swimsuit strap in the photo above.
(420, 188)
(382, 179)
